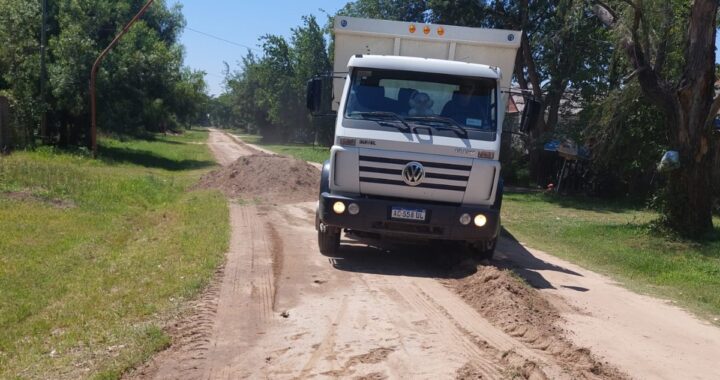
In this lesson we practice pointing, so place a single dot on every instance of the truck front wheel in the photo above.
(484, 250)
(328, 240)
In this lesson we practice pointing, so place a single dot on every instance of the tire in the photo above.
(328, 240)
(484, 250)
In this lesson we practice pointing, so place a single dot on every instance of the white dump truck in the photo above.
(416, 150)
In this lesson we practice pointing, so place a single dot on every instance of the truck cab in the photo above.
(417, 134)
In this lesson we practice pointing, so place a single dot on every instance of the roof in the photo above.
(429, 65)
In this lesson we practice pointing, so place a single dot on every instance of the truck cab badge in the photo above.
(413, 174)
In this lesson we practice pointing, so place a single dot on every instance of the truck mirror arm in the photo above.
(530, 113)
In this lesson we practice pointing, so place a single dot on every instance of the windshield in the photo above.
(466, 102)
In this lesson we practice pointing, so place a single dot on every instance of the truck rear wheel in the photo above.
(484, 250)
(328, 240)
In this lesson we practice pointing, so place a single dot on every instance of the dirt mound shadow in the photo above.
(266, 178)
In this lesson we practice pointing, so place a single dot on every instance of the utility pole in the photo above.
(43, 75)
(93, 75)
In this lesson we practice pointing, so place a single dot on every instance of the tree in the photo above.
(141, 86)
(398, 10)
(268, 92)
(310, 58)
(685, 100)
(560, 46)
(19, 63)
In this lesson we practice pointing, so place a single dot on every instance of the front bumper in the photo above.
(442, 221)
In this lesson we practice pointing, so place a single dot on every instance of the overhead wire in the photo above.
(221, 39)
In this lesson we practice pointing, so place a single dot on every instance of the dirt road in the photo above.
(280, 309)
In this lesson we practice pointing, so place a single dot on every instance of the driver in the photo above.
(467, 108)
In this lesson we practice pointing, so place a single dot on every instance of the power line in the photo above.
(220, 38)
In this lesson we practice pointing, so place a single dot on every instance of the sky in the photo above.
(240, 22)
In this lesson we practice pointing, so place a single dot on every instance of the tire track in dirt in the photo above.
(210, 342)
(328, 343)
(205, 340)
(488, 363)
(276, 250)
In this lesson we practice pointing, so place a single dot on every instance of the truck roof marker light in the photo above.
(412, 28)
(426, 29)
(441, 31)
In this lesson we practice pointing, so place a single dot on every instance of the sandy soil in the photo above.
(263, 178)
(279, 309)
(646, 337)
(226, 149)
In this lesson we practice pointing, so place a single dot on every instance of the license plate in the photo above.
(407, 213)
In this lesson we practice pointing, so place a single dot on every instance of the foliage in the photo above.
(627, 139)
(19, 57)
(142, 85)
(398, 10)
(267, 94)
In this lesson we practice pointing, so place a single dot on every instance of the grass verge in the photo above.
(615, 239)
(95, 254)
(304, 152)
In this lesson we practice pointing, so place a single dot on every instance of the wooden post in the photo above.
(5, 132)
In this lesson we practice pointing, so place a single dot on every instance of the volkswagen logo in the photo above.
(413, 174)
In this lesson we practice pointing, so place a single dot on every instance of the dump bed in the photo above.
(493, 47)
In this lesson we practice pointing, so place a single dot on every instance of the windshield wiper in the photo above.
(385, 115)
(449, 122)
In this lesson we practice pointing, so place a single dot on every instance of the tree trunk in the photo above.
(689, 208)
(689, 194)
(716, 178)
(689, 200)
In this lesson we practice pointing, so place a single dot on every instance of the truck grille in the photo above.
(438, 175)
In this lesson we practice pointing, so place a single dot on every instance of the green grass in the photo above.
(615, 239)
(96, 254)
(301, 151)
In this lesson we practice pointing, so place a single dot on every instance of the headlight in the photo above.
(353, 208)
(465, 219)
(339, 207)
(480, 220)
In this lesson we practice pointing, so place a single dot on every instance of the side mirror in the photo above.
(314, 94)
(530, 115)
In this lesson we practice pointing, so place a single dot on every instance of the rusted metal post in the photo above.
(93, 74)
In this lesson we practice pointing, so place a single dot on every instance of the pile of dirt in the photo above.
(519, 310)
(266, 178)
